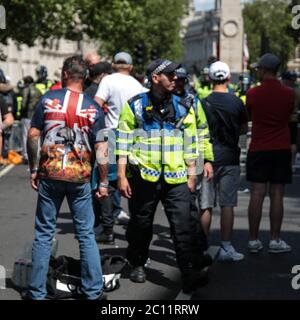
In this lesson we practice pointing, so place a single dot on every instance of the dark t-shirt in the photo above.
(91, 90)
(225, 115)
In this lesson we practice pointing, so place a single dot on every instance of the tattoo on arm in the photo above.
(102, 160)
(32, 149)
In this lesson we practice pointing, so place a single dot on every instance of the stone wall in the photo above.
(22, 60)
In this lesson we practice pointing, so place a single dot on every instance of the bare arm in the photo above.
(192, 176)
(102, 104)
(99, 101)
(32, 149)
(102, 163)
(123, 183)
(8, 120)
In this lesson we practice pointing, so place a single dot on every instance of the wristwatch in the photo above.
(103, 185)
(34, 170)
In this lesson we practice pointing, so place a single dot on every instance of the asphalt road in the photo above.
(262, 276)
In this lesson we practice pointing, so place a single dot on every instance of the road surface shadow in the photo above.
(258, 276)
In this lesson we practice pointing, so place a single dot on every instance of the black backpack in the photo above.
(63, 279)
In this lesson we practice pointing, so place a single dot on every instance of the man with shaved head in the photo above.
(91, 59)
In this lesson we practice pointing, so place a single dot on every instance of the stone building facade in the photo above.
(22, 60)
(218, 32)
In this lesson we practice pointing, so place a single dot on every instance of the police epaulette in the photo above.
(137, 97)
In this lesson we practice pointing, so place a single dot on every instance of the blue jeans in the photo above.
(51, 194)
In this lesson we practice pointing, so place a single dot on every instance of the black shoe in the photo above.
(193, 280)
(203, 261)
(138, 275)
(106, 238)
(102, 297)
(25, 295)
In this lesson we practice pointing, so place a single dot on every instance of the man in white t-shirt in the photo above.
(116, 89)
(113, 92)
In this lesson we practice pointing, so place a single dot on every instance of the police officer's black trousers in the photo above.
(176, 199)
(103, 209)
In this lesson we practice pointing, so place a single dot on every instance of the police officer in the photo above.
(152, 132)
(184, 90)
(42, 83)
(243, 86)
(204, 88)
(19, 97)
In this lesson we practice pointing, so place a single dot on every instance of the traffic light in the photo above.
(139, 52)
(154, 54)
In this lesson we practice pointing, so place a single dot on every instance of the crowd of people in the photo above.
(99, 134)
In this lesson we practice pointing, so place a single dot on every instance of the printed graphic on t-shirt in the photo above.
(66, 150)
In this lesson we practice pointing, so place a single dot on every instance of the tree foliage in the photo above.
(117, 24)
(268, 24)
(28, 20)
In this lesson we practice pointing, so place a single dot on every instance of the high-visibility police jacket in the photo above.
(204, 91)
(241, 96)
(205, 147)
(43, 87)
(158, 147)
(19, 107)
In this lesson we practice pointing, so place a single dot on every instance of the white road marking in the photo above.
(6, 170)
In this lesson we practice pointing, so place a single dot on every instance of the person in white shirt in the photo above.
(113, 92)
(116, 89)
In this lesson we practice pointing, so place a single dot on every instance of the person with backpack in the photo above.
(30, 99)
(227, 120)
(71, 126)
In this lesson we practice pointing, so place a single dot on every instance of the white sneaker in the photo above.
(279, 246)
(147, 263)
(122, 218)
(229, 254)
(254, 246)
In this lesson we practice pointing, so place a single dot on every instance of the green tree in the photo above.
(117, 24)
(27, 21)
(123, 24)
(267, 24)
